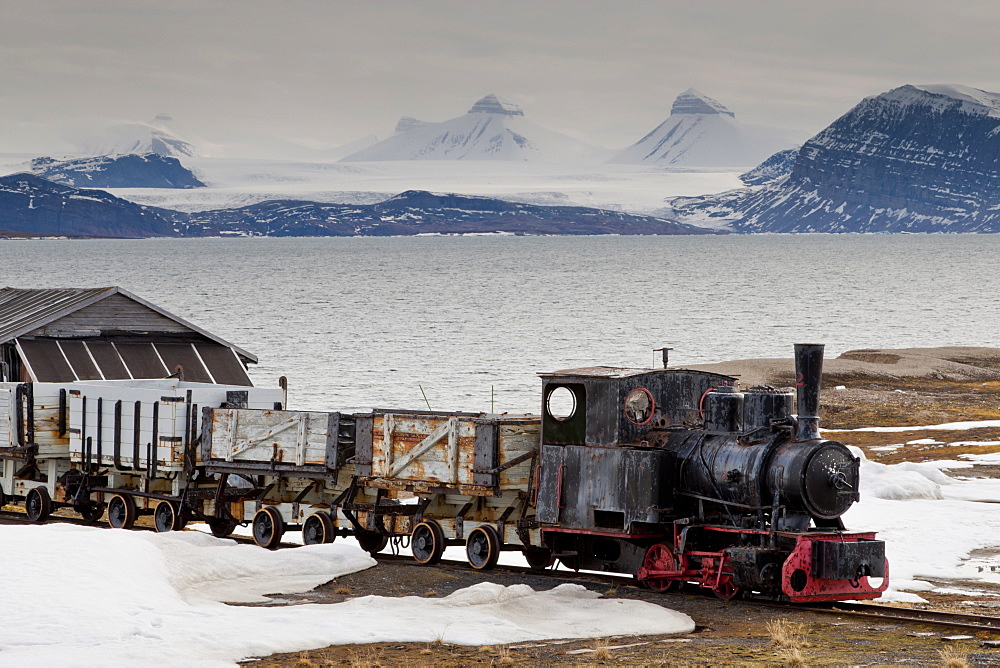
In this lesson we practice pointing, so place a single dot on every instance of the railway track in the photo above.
(938, 618)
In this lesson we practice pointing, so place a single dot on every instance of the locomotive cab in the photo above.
(602, 465)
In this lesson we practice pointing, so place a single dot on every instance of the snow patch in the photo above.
(101, 597)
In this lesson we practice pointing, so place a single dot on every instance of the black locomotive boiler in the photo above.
(675, 476)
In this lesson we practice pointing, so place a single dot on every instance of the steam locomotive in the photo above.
(671, 475)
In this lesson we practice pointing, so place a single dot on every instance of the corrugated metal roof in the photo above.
(24, 310)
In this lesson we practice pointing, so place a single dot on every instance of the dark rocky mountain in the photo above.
(120, 171)
(30, 204)
(778, 165)
(914, 159)
(422, 212)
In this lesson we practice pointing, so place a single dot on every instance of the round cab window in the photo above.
(639, 406)
(561, 403)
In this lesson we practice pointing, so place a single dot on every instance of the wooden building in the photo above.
(70, 334)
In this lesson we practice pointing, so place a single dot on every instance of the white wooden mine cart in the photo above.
(283, 470)
(468, 476)
(136, 441)
(129, 444)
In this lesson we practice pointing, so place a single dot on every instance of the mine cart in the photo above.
(468, 478)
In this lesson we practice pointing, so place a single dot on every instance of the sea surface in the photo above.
(466, 323)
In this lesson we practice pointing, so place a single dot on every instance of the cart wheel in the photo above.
(268, 527)
(483, 548)
(90, 510)
(317, 529)
(427, 542)
(38, 504)
(372, 542)
(539, 558)
(165, 517)
(122, 511)
(222, 527)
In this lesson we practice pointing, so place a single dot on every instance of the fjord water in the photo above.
(356, 323)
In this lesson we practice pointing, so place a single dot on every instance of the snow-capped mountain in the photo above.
(778, 165)
(493, 129)
(913, 159)
(122, 171)
(701, 133)
(155, 136)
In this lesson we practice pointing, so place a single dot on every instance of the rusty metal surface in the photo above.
(600, 418)
(603, 489)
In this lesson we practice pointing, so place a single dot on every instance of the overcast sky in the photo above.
(327, 72)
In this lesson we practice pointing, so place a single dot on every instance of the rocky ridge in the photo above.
(149, 170)
(30, 205)
(913, 159)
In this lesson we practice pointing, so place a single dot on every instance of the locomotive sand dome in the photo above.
(672, 475)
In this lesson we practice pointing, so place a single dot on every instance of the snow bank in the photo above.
(947, 426)
(930, 522)
(82, 596)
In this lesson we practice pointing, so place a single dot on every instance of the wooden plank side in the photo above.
(448, 460)
(516, 439)
(293, 437)
(7, 436)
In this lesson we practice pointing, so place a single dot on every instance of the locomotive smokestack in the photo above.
(808, 376)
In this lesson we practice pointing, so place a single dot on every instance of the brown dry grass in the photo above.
(786, 634)
(953, 657)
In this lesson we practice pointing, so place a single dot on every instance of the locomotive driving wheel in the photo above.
(38, 505)
(268, 527)
(726, 589)
(427, 542)
(122, 511)
(483, 548)
(318, 528)
(661, 557)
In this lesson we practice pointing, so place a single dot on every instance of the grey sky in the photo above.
(329, 72)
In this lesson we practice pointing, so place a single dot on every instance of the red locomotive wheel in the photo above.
(483, 548)
(660, 557)
(427, 542)
(727, 589)
(268, 527)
